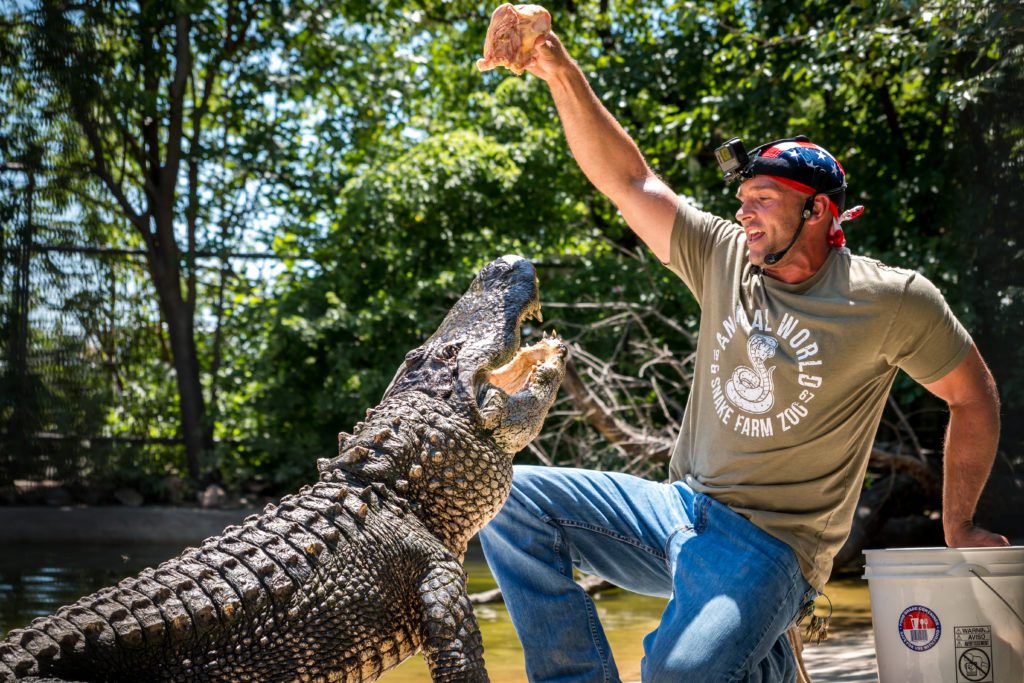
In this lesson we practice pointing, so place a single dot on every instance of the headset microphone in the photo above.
(776, 256)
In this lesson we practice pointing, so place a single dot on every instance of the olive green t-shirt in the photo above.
(790, 380)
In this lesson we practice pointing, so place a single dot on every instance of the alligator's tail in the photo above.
(247, 574)
(128, 626)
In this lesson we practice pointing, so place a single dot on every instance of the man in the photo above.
(798, 346)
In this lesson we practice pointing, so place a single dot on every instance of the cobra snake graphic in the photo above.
(751, 388)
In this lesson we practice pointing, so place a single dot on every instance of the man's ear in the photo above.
(820, 209)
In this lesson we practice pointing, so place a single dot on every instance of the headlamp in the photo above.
(734, 160)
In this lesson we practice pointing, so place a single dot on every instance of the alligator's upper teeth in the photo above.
(533, 313)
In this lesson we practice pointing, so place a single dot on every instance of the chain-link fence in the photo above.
(58, 302)
(69, 313)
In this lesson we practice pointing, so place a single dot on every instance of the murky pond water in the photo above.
(35, 579)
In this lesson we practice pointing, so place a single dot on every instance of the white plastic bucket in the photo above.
(944, 615)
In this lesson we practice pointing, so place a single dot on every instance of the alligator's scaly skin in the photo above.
(357, 572)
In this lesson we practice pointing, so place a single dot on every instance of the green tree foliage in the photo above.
(919, 99)
(126, 90)
(385, 169)
(153, 124)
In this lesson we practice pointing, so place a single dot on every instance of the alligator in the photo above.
(360, 570)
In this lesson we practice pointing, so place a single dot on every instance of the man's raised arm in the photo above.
(604, 151)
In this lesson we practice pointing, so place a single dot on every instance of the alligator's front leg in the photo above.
(451, 639)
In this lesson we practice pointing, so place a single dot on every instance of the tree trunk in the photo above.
(180, 318)
(181, 329)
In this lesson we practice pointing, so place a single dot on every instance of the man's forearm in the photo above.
(604, 151)
(602, 148)
(971, 440)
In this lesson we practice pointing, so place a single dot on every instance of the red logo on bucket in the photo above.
(919, 628)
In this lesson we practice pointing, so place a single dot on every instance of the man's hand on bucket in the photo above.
(967, 535)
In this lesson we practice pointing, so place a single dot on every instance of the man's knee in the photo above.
(665, 663)
(530, 479)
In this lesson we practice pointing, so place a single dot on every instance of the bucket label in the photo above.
(919, 628)
(973, 654)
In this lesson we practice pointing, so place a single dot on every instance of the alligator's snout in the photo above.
(514, 387)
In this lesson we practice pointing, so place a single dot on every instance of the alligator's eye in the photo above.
(449, 351)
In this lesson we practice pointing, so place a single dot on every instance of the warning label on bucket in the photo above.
(973, 654)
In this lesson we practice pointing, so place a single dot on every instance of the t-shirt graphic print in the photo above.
(744, 391)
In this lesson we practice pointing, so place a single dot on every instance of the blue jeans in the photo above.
(733, 589)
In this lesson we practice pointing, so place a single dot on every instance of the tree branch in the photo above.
(917, 469)
(633, 442)
(99, 166)
(150, 121)
(893, 120)
(176, 107)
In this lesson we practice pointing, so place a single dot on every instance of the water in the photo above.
(36, 579)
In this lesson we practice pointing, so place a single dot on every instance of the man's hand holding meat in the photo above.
(550, 58)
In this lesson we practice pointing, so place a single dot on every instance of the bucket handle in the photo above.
(967, 569)
(974, 569)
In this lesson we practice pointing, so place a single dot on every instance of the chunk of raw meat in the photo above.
(511, 36)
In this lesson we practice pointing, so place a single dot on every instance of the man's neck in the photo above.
(799, 266)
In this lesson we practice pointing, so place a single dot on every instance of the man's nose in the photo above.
(742, 213)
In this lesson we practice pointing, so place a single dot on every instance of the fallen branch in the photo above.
(919, 470)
